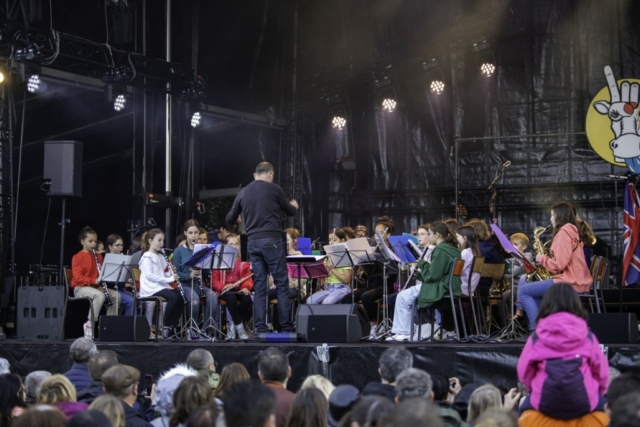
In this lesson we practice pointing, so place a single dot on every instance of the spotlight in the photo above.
(339, 122)
(33, 83)
(487, 69)
(437, 87)
(389, 104)
(1, 76)
(195, 119)
(119, 103)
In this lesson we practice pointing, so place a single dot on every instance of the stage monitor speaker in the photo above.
(63, 167)
(614, 328)
(124, 329)
(333, 323)
(40, 312)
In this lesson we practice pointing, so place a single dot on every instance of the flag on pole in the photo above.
(631, 262)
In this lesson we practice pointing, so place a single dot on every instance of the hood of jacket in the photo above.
(167, 385)
(448, 249)
(562, 331)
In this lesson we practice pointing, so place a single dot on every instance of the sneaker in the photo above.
(242, 334)
(373, 335)
(88, 329)
(193, 335)
(231, 331)
(399, 338)
(446, 335)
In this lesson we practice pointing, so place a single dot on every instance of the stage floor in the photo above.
(355, 364)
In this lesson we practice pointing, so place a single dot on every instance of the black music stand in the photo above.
(387, 257)
(361, 254)
(307, 267)
(116, 268)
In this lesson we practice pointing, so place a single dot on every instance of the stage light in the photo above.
(119, 103)
(339, 122)
(1, 76)
(437, 87)
(195, 119)
(33, 83)
(487, 69)
(389, 104)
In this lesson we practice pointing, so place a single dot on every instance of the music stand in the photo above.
(116, 268)
(361, 253)
(514, 254)
(387, 256)
(306, 267)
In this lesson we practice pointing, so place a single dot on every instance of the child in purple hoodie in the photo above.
(562, 366)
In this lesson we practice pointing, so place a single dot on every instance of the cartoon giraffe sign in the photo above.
(612, 122)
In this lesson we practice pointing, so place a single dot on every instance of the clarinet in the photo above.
(173, 268)
(104, 285)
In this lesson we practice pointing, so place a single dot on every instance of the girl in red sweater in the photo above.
(85, 282)
(241, 276)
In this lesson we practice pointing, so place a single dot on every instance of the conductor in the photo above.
(262, 203)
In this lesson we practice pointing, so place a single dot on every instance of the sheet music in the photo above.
(338, 255)
(292, 258)
(115, 268)
(360, 250)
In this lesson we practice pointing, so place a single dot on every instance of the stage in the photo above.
(348, 363)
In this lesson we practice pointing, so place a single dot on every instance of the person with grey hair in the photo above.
(98, 365)
(392, 361)
(32, 384)
(80, 352)
(202, 361)
(4, 366)
(413, 382)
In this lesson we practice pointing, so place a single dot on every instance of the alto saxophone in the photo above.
(541, 273)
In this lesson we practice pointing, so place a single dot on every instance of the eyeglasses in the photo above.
(118, 246)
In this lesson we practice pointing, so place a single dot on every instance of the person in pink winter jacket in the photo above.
(562, 365)
(566, 263)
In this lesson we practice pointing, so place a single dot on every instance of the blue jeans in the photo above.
(332, 295)
(267, 255)
(529, 296)
(126, 301)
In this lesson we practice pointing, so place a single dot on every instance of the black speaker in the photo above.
(40, 312)
(614, 328)
(122, 329)
(331, 323)
(63, 167)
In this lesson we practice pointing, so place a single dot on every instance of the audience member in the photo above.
(80, 352)
(560, 384)
(111, 407)
(624, 384)
(4, 366)
(231, 374)
(121, 381)
(192, 393)
(204, 416)
(368, 412)
(167, 385)
(98, 365)
(497, 417)
(32, 384)
(249, 403)
(319, 382)
(483, 398)
(57, 390)
(203, 363)
(90, 418)
(274, 372)
(392, 361)
(412, 383)
(41, 416)
(309, 409)
(417, 412)
(341, 401)
(12, 397)
(461, 402)
(626, 411)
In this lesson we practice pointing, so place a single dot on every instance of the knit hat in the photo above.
(341, 400)
(167, 385)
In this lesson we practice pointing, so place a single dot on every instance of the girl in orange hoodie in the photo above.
(566, 263)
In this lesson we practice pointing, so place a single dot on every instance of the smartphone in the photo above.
(148, 384)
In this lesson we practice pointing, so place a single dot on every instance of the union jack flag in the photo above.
(631, 263)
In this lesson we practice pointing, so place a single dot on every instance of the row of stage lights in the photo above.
(434, 76)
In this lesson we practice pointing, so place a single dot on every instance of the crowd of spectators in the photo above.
(100, 391)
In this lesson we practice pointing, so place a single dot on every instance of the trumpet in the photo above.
(107, 298)
(178, 285)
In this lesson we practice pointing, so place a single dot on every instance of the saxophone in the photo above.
(541, 273)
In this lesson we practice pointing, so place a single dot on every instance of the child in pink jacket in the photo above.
(562, 366)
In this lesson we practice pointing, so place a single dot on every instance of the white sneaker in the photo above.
(446, 335)
(88, 329)
(242, 334)
(374, 332)
(399, 338)
(231, 331)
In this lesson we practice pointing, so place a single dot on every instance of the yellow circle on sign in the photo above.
(598, 126)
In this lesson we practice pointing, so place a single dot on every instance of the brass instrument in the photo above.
(107, 297)
(539, 248)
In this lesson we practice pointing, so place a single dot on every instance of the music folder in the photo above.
(311, 267)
